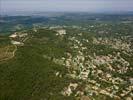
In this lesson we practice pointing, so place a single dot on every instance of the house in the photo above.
(16, 43)
(13, 35)
(131, 80)
(61, 32)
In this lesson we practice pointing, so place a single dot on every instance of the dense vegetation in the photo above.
(30, 76)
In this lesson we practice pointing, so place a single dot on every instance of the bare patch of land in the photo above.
(7, 52)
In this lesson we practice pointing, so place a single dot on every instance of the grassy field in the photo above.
(7, 52)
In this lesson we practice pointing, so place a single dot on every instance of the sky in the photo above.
(12, 6)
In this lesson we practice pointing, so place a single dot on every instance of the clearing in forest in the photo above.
(7, 52)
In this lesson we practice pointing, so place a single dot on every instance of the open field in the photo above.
(7, 52)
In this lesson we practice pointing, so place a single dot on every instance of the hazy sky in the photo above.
(66, 5)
